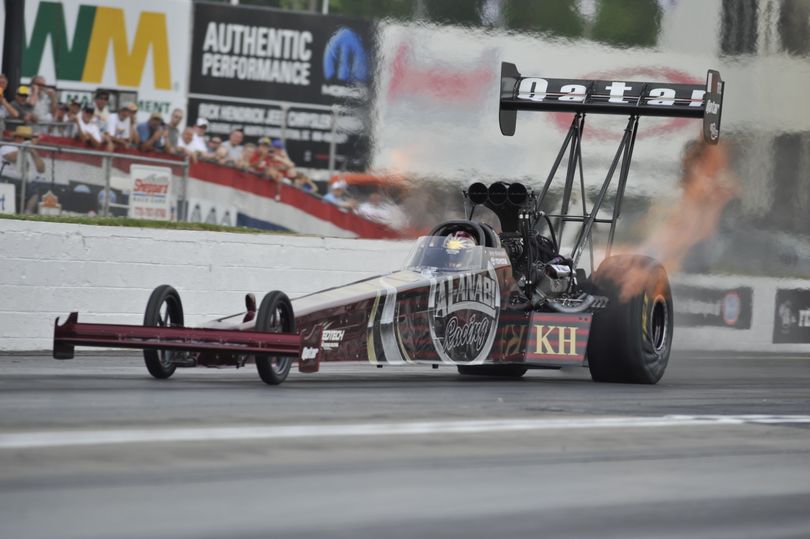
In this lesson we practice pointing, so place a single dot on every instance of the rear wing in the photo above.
(611, 97)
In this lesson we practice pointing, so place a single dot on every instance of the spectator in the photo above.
(11, 154)
(66, 127)
(221, 157)
(120, 126)
(199, 136)
(43, 99)
(234, 145)
(246, 157)
(152, 134)
(25, 111)
(89, 132)
(305, 183)
(281, 162)
(213, 145)
(102, 110)
(7, 110)
(190, 146)
(337, 195)
(173, 129)
(377, 209)
(262, 162)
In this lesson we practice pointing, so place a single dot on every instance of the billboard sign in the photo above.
(8, 198)
(82, 45)
(711, 306)
(150, 197)
(792, 316)
(279, 74)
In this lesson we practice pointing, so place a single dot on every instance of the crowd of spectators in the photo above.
(102, 128)
(36, 110)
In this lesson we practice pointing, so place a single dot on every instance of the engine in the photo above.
(551, 275)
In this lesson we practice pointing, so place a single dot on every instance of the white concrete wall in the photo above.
(107, 274)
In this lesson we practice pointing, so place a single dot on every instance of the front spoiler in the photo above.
(72, 334)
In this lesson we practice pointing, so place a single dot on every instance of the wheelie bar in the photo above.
(72, 334)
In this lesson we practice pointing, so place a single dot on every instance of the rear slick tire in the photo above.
(495, 371)
(631, 339)
(275, 316)
(163, 309)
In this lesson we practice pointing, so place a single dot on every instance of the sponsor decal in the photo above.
(792, 316)
(50, 204)
(213, 213)
(566, 339)
(331, 338)
(537, 89)
(345, 59)
(150, 195)
(463, 316)
(309, 353)
(697, 306)
(97, 30)
(672, 86)
(279, 74)
(449, 83)
(558, 338)
(8, 198)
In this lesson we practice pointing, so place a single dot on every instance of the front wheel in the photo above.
(495, 371)
(275, 316)
(631, 339)
(163, 309)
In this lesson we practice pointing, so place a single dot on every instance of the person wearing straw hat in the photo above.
(10, 155)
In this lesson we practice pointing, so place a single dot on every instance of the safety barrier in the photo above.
(107, 273)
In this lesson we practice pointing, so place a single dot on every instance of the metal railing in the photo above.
(23, 160)
(59, 129)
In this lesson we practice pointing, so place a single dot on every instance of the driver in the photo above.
(459, 248)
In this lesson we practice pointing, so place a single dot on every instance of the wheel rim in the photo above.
(278, 321)
(659, 324)
(167, 317)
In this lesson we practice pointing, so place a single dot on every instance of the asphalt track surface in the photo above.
(94, 448)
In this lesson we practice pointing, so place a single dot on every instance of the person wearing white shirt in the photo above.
(190, 145)
(199, 136)
(120, 126)
(89, 131)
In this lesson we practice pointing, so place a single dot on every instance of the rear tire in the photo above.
(275, 316)
(163, 309)
(631, 339)
(495, 371)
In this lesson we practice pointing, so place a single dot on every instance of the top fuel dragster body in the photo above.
(487, 302)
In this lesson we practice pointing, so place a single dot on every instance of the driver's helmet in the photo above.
(459, 248)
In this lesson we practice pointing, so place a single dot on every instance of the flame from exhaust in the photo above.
(708, 186)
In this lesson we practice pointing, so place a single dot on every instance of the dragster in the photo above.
(488, 302)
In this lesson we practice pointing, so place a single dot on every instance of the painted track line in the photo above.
(45, 439)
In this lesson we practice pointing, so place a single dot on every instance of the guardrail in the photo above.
(106, 166)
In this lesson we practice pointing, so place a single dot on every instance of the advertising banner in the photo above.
(8, 198)
(280, 74)
(707, 306)
(132, 48)
(150, 195)
(792, 316)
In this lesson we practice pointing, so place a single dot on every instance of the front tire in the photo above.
(630, 340)
(163, 309)
(276, 316)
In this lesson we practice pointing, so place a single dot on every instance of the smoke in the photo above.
(708, 185)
